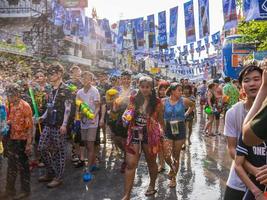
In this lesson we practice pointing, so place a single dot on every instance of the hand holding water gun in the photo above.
(127, 116)
(72, 88)
(85, 109)
(111, 95)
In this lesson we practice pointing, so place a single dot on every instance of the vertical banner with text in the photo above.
(173, 26)
(190, 31)
(255, 9)
(229, 13)
(138, 29)
(162, 32)
(151, 31)
(204, 19)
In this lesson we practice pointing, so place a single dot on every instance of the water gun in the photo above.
(85, 109)
(3, 120)
(111, 94)
(35, 108)
(127, 116)
(72, 88)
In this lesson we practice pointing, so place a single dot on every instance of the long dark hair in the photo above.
(139, 98)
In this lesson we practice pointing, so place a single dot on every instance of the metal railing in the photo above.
(22, 8)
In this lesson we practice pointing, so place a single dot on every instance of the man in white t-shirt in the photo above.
(250, 79)
(90, 95)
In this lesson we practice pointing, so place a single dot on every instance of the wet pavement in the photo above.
(204, 168)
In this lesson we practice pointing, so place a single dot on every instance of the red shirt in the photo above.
(20, 117)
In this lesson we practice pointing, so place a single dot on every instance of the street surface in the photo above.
(204, 168)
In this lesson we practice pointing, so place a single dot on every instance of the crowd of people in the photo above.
(50, 109)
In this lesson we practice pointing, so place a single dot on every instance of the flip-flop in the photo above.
(150, 192)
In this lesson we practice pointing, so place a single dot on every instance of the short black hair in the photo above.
(227, 79)
(126, 73)
(248, 68)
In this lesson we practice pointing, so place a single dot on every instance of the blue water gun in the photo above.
(3, 120)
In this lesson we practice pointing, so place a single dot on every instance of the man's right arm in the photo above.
(231, 146)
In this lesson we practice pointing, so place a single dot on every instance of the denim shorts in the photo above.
(180, 136)
(144, 140)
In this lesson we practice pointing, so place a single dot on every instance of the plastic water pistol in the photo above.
(3, 120)
(72, 88)
(85, 109)
(127, 116)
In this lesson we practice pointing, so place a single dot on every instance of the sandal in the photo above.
(150, 191)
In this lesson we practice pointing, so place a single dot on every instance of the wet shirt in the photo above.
(56, 105)
(174, 112)
(141, 119)
(233, 128)
(91, 97)
(232, 92)
(20, 117)
(256, 155)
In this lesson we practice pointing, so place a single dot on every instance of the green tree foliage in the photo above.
(253, 31)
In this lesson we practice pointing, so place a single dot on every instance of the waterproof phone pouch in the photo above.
(174, 127)
(138, 133)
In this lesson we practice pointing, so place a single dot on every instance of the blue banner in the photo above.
(162, 37)
(204, 19)
(189, 22)
(81, 27)
(173, 26)
(151, 31)
(121, 31)
(138, 29)
(106, 28)
(229, 13)
(216, 39)
(255, 9)
(59, 14)
(67, 23)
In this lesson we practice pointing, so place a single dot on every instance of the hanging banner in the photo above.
(121, 31)
(67, 23)
(255, 9)
(75, 22)
(81, 27)
(216, 38)
(173, 26)
(106, 28)
(192, 50)
(59, 15)
(138, 28)
(204, 20)
(162, 35)
(207, 44)
(198, 49)
(229, 13)
(151, 32)
(189, 22)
